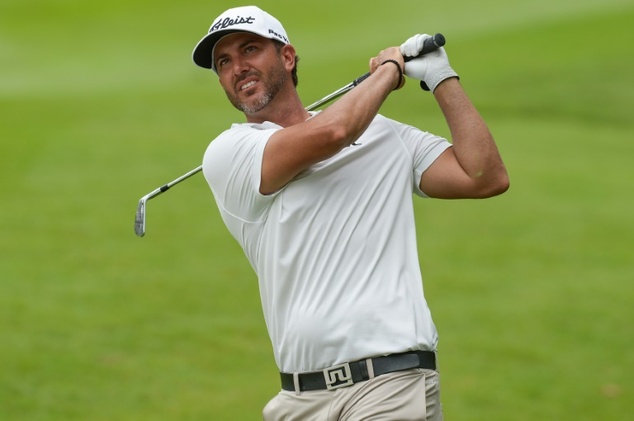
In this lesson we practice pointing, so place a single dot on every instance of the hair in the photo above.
(279, 45)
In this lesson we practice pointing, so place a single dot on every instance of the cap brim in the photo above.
(204, 48)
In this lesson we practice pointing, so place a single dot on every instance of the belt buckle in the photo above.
(338, 376)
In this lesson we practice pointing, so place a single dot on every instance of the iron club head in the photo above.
(139, 219)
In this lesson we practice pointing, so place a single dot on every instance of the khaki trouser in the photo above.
(402, 396)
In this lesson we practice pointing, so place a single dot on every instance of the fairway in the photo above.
(100, 104)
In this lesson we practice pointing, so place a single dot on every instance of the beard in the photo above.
(273, 84)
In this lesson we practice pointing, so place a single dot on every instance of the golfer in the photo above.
(322, 205)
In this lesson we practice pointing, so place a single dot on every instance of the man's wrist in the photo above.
(446, 83)
(440, 77)
(400, 72)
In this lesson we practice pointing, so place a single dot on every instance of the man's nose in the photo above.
(239, 66)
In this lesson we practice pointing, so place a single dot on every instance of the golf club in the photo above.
(429, 45)
(139, 219)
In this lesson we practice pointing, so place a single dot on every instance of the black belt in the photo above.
(346, 374)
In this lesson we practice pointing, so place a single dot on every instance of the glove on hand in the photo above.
(430, 69)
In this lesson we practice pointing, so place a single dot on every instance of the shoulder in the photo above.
(387, 130)
(382, 122)
(407, 132)
(422, 145)
(241, 132)
(237, 138)
(240, 146)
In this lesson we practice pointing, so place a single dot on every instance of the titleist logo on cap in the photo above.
(227, 22)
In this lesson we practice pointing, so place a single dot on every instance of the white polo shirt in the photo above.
(335, 250)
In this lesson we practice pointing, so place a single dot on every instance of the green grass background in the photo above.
(99, 104)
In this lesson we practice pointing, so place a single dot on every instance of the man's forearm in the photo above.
(473, 143)
(297, 147)
(354, 111)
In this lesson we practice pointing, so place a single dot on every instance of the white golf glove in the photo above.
(430, 69)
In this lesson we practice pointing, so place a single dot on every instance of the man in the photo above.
(322, 206)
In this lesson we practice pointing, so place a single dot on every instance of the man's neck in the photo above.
(283, 110)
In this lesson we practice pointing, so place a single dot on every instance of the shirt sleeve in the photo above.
(424, 147)
(232, 165)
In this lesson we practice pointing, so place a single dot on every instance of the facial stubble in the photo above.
(273, 84)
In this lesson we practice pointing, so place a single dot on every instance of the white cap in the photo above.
(239, 19)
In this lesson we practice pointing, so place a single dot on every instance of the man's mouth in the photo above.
(247, 85)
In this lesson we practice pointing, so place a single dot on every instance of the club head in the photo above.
(139, 219)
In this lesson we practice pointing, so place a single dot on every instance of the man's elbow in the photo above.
(497, 185)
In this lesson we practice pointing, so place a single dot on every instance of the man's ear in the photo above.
(288, 55)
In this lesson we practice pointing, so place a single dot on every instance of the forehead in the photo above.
(236, 40)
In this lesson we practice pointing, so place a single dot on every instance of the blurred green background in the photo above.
(100, 103)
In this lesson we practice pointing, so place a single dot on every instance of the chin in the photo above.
(254, 105)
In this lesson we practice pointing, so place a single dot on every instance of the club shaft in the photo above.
(174, 182)
(330, 97)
